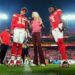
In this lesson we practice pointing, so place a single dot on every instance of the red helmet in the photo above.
(24, 9)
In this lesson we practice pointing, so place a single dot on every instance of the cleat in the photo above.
(11, 62)
(65, 64)
(18, 63)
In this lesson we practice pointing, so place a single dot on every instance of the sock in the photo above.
(18, 58)
(62, 49)
(19, 52)
(14, 48)
(12, 57)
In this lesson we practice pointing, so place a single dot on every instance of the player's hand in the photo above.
(62, 29)
(28, 35)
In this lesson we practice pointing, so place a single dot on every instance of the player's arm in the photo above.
(31, 24)
(27, 34)
(14, 18)
(61, 26)
(27, 27)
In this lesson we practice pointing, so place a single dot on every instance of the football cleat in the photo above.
(65, 64)
(11, 62)
(18, 62)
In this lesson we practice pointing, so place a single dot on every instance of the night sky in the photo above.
(13, 6)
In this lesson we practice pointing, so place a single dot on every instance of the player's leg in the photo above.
(62, 49)
(19, 53)
(13, 54)
(26, 53)
(16, 35)
(41, 55)
(55, 35)
(58, 36)
(61, 45)
(23, 55)
(15, 40)
(20, 42)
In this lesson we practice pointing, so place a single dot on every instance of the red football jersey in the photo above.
(18, 21)
(55, 18)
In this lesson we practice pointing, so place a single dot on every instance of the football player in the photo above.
(58, 29)
(19, 30)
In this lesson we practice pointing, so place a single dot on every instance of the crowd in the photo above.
(51, 56)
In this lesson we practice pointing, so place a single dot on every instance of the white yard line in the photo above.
(27, 68)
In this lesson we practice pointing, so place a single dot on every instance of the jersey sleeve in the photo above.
(14, 18)
(59, 11)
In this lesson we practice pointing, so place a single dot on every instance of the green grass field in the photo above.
(38, 70)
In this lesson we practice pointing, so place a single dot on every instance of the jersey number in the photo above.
(21, 20)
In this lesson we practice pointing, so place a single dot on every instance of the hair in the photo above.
(55, 8)
(36, 14)
(25, 9)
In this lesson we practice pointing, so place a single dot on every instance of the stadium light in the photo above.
(68, 17)
(3, 17)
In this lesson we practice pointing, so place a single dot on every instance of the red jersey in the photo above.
(19, 21)
(55, 18)
(5, 37)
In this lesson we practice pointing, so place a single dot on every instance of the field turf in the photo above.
(37, 70)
